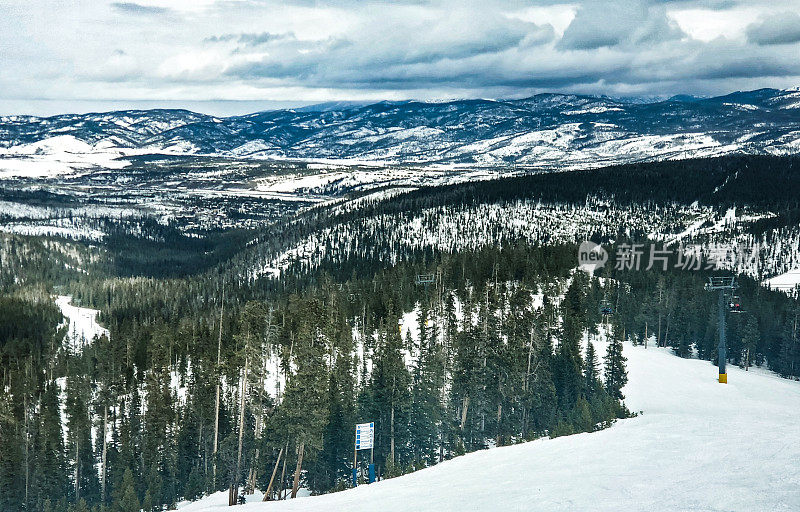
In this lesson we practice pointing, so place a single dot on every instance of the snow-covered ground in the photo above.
(698, 445)
(83, 327)
(787, 282)
(219, 500)
(62, 154)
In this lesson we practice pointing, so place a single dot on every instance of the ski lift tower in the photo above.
(425, 280)
(606, 310)
(725, 286)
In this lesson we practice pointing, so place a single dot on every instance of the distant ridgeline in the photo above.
(319, 323)
(763, 182)
(546, 130)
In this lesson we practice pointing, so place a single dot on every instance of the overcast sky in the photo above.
(236, 56)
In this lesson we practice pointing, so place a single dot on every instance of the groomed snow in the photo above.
(699, 445)
(787, 282)
(83, 326)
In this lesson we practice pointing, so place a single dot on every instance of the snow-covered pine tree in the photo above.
(616, 376)
(591, 372)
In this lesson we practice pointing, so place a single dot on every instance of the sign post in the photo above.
(365, 440)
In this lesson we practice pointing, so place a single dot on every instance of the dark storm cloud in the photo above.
(597, 25)
(515, 34)
(780, 28)
(134, 8)
(526, 68)
(401, 54)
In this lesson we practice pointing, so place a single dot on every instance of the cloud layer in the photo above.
(775, 28)
(302, 50)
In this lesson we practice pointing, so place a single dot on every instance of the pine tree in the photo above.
(127, 500)
(194, 485)
(591, 372)
(147, 502)
(425, 406)
(332, 465)
(539, 391)
(85, 482)
(391, 399)
(786, 363)
(582, 416)
(615, 374)
(467, 387)
(80, 506)
(10, 456)
(303, 411)
(750, 338)
(155, 490)
(50, 474)
(158, 440)
(568, 365)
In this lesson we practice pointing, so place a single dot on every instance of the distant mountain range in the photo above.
(547, 130)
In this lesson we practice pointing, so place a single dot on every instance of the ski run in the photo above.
(695, 445)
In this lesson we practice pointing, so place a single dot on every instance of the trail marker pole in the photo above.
(722, 348)
(355, 468)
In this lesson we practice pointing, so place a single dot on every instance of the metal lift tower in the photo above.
(425, 280)
(725, 286)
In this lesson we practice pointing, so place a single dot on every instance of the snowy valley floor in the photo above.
(698, 445)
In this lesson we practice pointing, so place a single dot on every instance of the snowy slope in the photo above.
(82, 323)
(787, 282)
(62, 154)
(698, 445)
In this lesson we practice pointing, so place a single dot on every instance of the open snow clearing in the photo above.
(697, 445)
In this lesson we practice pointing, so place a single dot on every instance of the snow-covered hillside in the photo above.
(547, 130)
(62, 154)
(697, 445)
(81, 322)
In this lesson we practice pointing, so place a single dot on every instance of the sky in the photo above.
(229, 57)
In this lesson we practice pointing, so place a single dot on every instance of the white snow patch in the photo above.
(788, 282)
(219, 501)
(83, 326)
(62, 154)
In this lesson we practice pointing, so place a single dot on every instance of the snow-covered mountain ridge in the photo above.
(546, 130)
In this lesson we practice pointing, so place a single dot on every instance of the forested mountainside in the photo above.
(550, 130)
(749, 200)
(491, 350)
